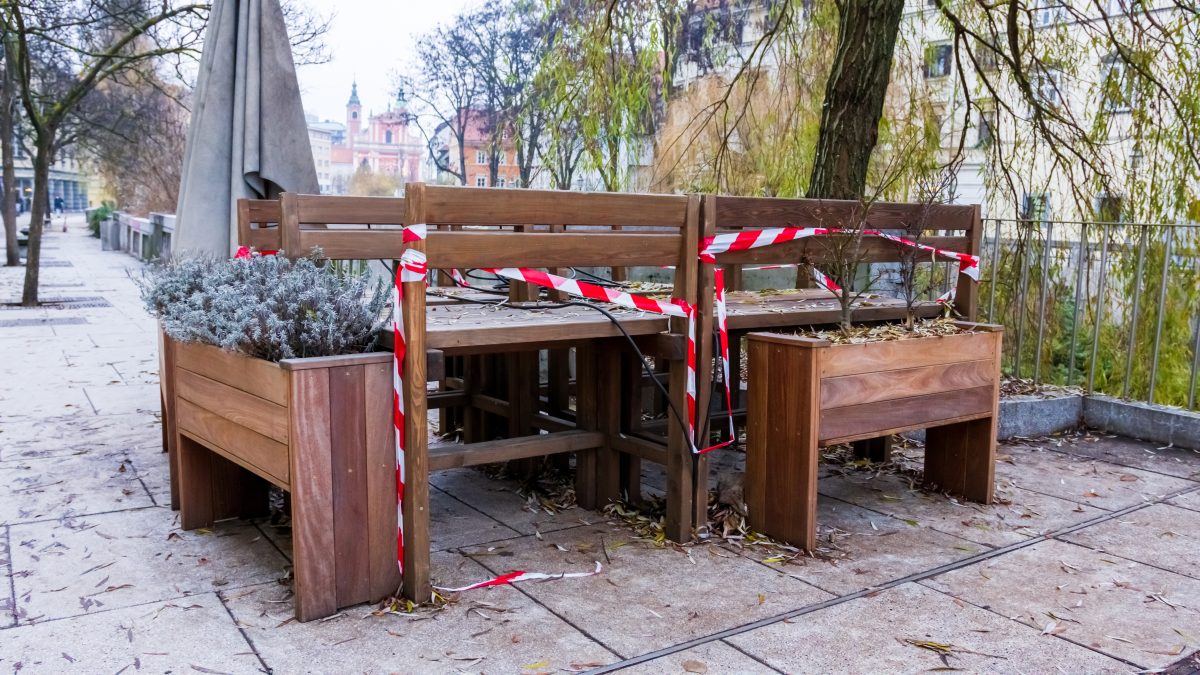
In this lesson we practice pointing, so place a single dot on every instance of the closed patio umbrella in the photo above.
(248, 136)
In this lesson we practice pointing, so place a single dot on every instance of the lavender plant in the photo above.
(268, 307)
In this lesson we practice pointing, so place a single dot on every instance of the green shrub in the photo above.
(100, 215)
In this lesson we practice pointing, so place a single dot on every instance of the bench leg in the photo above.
(961, 459)
(875, 449)
(195, 482)
(585, 418)
(608, 419)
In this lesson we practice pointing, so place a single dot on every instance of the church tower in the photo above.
(353, 115)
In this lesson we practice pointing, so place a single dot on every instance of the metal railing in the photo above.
(1110, 307)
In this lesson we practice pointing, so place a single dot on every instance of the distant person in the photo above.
(58, 204)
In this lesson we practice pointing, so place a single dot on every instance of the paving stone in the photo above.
(43, 400)
(453, 524)
(1190, 500)
(858, 549)
(647, 597)
(183, 636)
(85, 565)
(499, 499)
(1161, 535)
(1172, 461)
(714, 657)
(7, 610)
(1016, 515)
(870, 635)
(153, 468)
(1085, 481)
(66, 435)
(58, 487)
(1132, 611)
(494, 630)
(125, 399)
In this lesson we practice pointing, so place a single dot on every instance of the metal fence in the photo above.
(1110, 307)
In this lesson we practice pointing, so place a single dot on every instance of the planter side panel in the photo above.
(880, 388)
(781, 440)
(218, 404)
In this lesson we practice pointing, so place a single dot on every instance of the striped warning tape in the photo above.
(519, 576)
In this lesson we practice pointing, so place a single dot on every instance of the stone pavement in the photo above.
(1088, 563)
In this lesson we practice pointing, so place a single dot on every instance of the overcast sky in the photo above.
(370, 40)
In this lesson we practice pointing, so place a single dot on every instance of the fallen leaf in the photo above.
(694, 666)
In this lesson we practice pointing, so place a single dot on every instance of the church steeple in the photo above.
(353, 93)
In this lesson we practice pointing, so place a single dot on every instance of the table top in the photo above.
(456, 326)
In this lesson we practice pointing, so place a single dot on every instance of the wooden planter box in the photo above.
(805, 393)
(319, 428)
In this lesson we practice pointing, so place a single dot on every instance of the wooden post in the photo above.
(608, 379)
(312, 495)
(782, 446)
(166, 379)
(586, 418)
(966, 294)
(416, 452)
(687, 474)
(961, 458)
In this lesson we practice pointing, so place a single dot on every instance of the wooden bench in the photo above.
(490, 228)
(950, 227)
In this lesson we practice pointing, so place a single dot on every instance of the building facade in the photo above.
(477, 144)
(385, 143)
(68, 181)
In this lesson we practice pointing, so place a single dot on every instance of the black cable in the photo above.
(599, 280)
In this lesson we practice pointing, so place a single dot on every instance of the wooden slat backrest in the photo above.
(736, 213)
(952, 227)
(258, 224)
(490, 217)
(307, 220)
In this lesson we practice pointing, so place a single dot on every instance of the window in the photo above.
(985, 57)
(502, 158)
(1048, 86)
(1116, 85)
(1109, 207)
(480, 157)
(500, 182)
(986, 129)
(354, 115)
(481, 181)
(1036, 206)
(1047, 14)
(937, 60)
(387, 137)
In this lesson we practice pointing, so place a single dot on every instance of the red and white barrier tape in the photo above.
(411, 269)
(519, 576)
(712, 246)
(674, 307)
(245, 253)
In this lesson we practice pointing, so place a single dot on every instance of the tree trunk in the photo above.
(854, 94)
(37, 215)
(8, 199)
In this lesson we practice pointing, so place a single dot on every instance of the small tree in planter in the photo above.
(931, 189)
(269, 376)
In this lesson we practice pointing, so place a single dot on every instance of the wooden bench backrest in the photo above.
(297, 223)
(490, 227)
(258, 224)
(952, 227)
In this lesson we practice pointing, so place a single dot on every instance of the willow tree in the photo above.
(605, 73)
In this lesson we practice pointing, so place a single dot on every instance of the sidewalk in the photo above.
(1088, 564)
